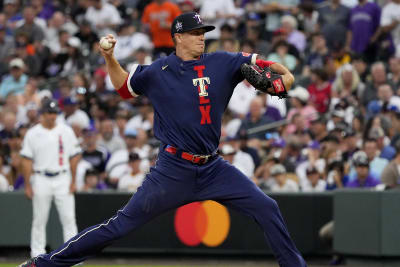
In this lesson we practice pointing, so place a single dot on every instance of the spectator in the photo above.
(16, 81)
(314, 183)
(241, 99)
(104, 17)
(363, 178)
(313, 161)
(299, 104)
(379, 77)
(6, 45)
(333, 22)
(390, 174)
(336, 177)
(317, 52)
(281, 55)
(320, 90)
(108, 139)
(363, 28)
(394, 75)
(239, 159)
(295, 37)
(217, 13)
(4, 186)
(281, 182)
(256, 118)
(274, 11)
(389, 22)
(129, 41)
(134, 178)
(227, 33)
(347, 86)
(92, 181)
(30, 27)
(87, 36)
(94, 154)
(158, 17)
(73, 115)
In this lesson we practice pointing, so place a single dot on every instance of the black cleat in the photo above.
(29, 263)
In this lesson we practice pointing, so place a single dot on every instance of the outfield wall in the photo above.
(366, 223)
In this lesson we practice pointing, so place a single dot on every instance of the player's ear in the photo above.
(177, 38)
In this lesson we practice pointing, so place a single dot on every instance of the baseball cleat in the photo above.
(29, 263)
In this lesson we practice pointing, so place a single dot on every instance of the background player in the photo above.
(189, 91)
(50, 155)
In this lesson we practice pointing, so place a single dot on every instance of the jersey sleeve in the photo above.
(137, 79)
(235, 61)
(74, 147)
(27, 149)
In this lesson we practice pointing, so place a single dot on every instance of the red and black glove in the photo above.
(264, 79)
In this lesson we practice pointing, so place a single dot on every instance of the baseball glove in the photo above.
(264, 80)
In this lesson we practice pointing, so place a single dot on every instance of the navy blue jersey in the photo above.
(189, 97)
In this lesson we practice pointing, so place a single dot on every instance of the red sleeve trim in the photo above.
(124, 90)
(264, 63)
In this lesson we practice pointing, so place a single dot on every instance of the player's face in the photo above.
(193, 42)
(50, 118)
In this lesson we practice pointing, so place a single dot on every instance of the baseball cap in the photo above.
(74, 42)
(129, 132)
(314, 145)
(69, 101)
(277, 169)
(301, 93)
(360, 159)
(133, 156)
(49, 106)
(17, 63)
(227, 150)
(187, 22)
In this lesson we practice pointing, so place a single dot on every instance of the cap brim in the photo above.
(208, 28)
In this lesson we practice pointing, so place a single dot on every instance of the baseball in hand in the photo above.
(105, 44)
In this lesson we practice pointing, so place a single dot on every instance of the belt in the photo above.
(49, 173)
(193, 158)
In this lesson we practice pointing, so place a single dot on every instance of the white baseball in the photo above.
(105, 44)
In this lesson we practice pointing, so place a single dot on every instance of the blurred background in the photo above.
(329, 154)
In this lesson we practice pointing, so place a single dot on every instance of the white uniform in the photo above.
(50, 151)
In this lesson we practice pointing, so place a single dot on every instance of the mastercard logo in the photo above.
(204, 223)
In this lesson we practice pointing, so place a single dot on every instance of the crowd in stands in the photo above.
(339, 128)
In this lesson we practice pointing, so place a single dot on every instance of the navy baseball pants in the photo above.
(174, 182)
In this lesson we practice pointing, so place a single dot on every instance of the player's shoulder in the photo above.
(34, 129)
(225, 54)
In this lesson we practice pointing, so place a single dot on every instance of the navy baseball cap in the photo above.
(49, 106)
(187, 22)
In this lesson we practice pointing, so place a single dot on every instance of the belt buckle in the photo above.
(202, 157)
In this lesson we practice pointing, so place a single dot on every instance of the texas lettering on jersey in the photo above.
(204, 103)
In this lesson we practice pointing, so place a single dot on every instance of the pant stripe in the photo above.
(72, 241)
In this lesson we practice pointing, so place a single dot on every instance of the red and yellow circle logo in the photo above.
(205, 222)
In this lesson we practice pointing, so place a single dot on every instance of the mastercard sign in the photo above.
(204, 223)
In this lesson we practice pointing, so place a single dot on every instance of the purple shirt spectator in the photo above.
(364, 21)
(369, 182)
(273, 113)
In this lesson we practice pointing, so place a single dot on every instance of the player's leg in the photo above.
(229, 186)
(164, 188)
(65, 203)
(41, 203)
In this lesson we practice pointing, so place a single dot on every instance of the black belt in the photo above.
(50, 174)
(195, 159)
